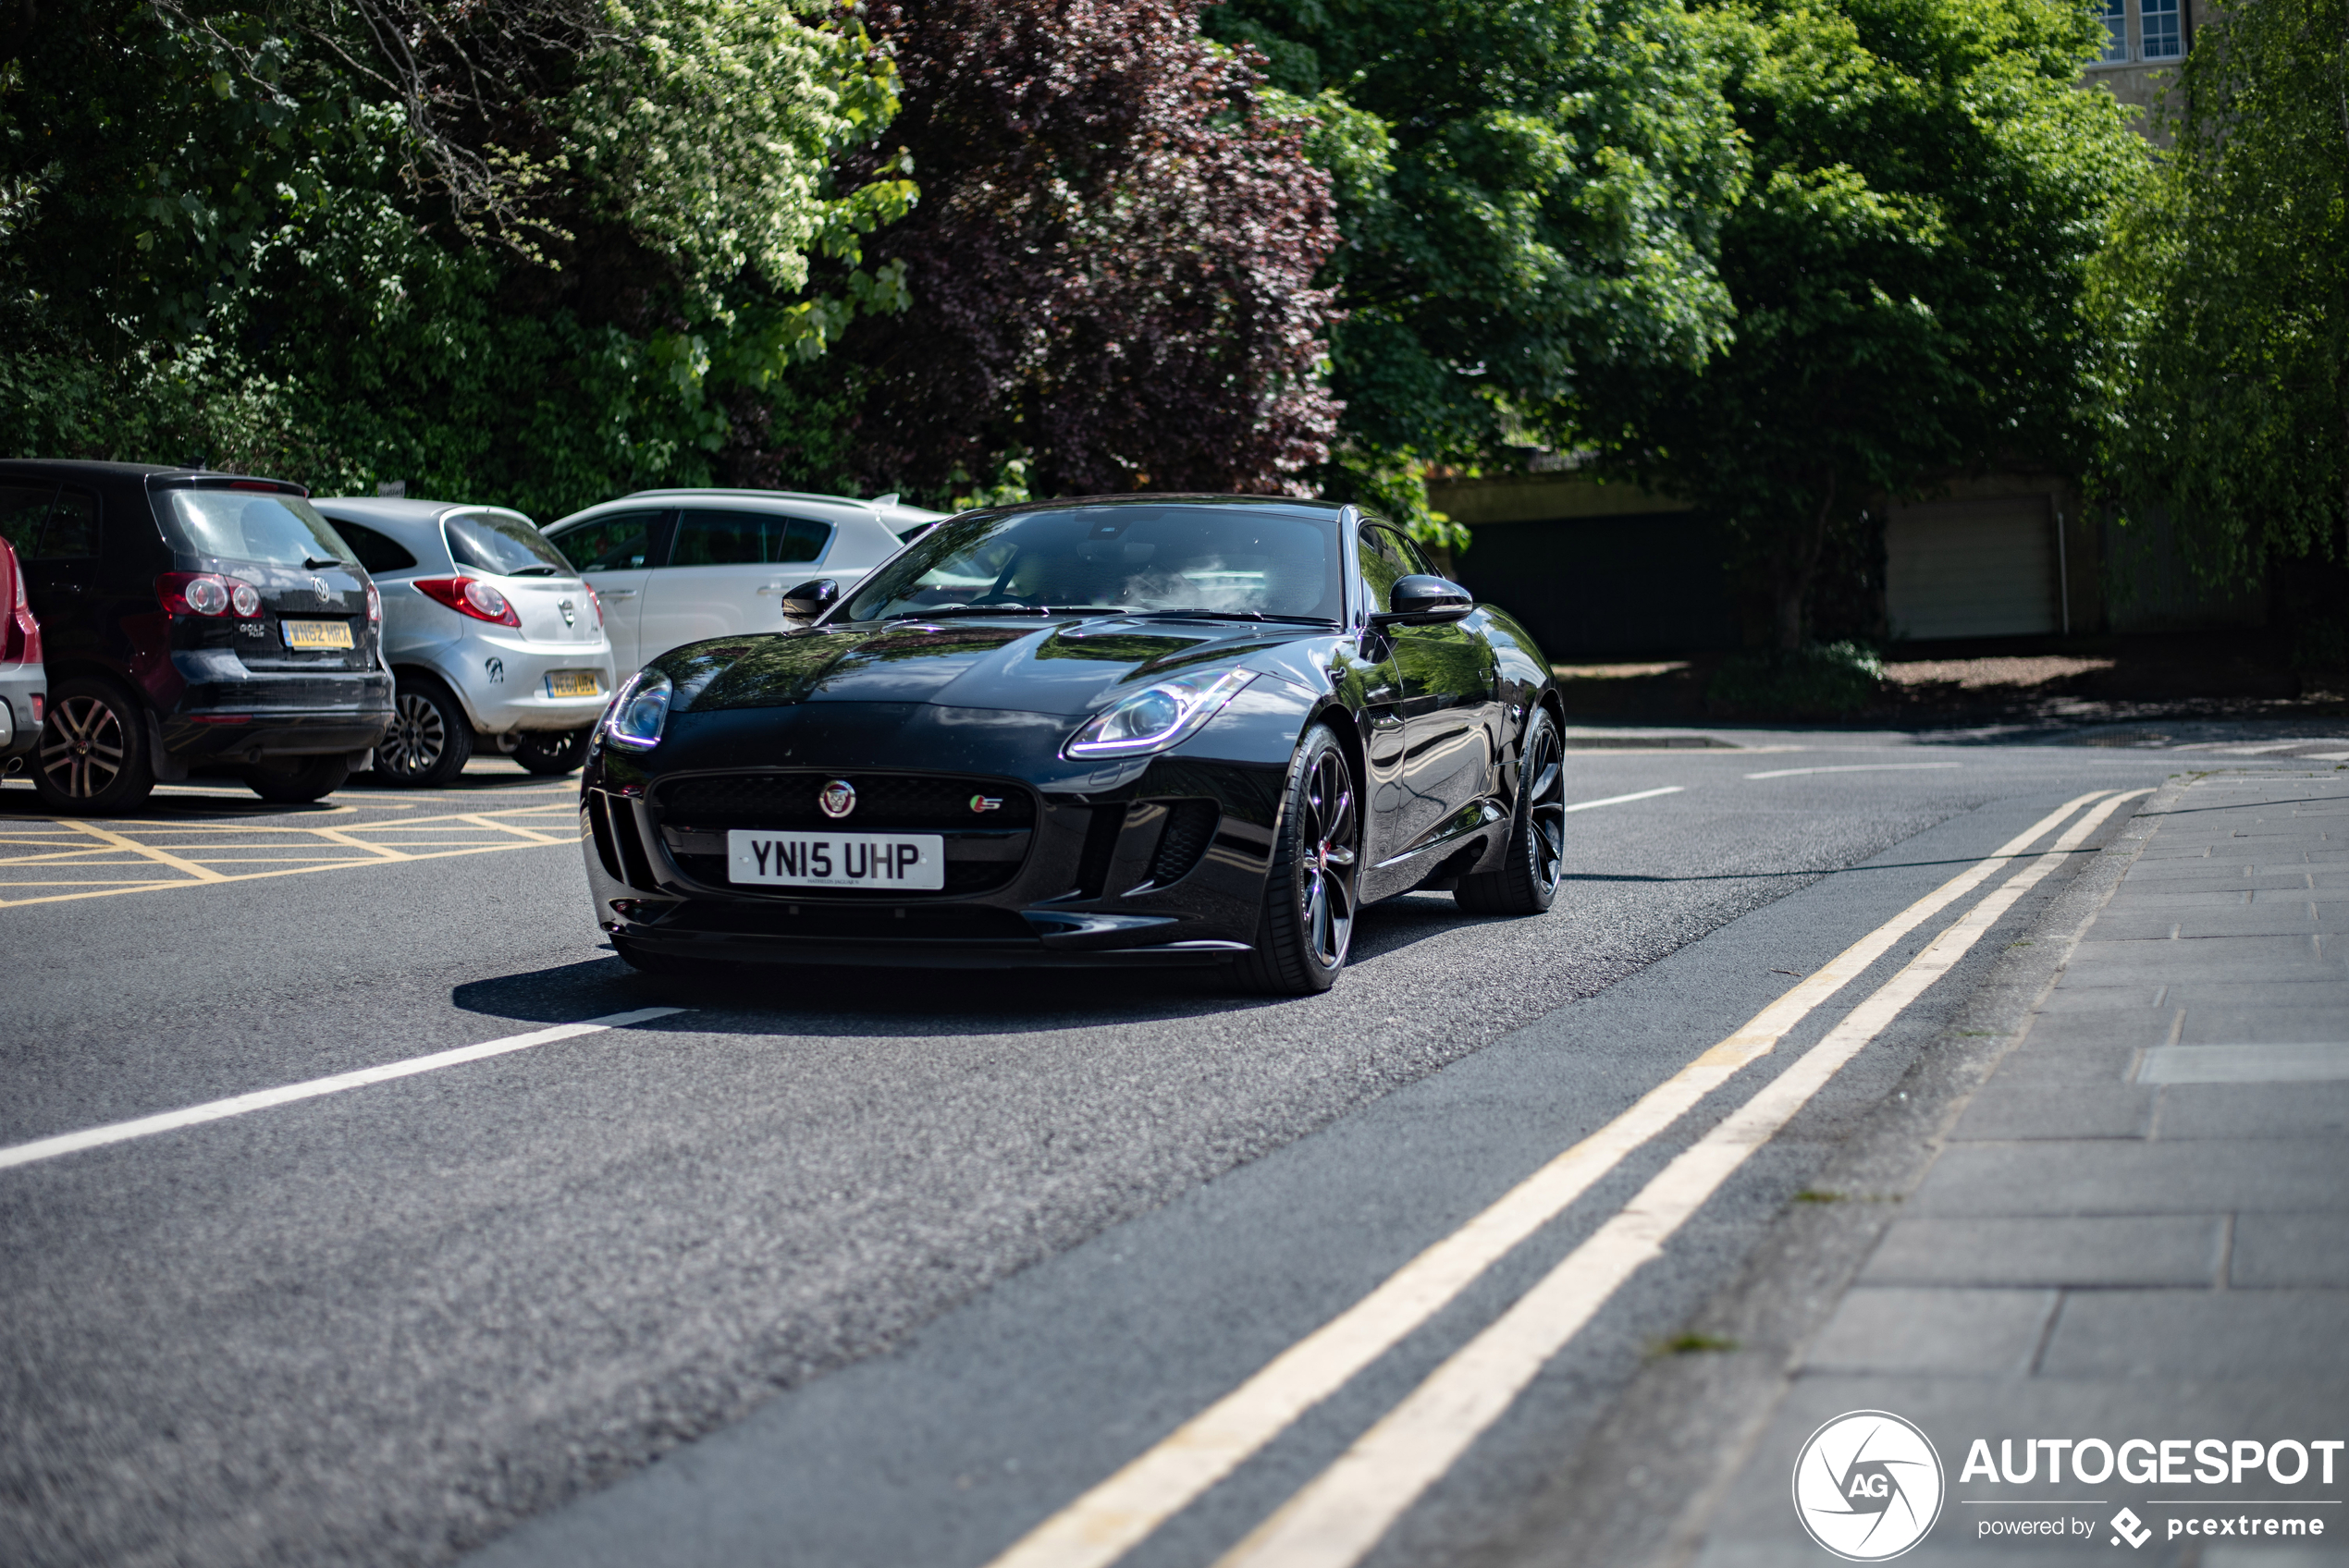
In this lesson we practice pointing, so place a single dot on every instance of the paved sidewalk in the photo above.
(2136, 1227)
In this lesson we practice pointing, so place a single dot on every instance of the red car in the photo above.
(23, 688)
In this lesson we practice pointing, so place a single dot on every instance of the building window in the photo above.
(2159, 31)
(2116, 27)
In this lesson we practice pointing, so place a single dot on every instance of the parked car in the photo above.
(676, 566)
(23, 684)
(192, 622)
(1156, 729)
(490, 632)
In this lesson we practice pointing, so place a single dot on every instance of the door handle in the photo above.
(767, 588)
(618, 593)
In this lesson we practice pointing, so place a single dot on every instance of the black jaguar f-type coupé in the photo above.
(1143, 730)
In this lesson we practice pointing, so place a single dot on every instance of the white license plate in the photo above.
(912, 862)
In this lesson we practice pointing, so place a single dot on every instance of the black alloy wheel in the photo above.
(297, 782)
(1528, 879)
(430, 739)
(550, 752)
(92, 757)
(1307, 925)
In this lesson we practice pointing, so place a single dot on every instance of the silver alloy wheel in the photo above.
(417, 737)
(81, 747)
(1545, 803)
(1326, 835)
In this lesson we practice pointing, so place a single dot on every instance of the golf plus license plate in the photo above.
(914, 863)
(571, 684)
(316, 634)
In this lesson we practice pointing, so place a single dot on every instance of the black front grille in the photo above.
(884, 800)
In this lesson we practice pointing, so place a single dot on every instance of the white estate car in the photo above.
(677, 565)
(488, 631)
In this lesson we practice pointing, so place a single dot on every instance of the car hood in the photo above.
(1062, 667)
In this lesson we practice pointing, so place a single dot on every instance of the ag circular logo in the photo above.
(838, 798)
(1867, 1486)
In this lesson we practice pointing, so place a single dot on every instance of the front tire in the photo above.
(552, 752)
(1530, 867)
(92, 757)
(430, 739)
(1307, 925)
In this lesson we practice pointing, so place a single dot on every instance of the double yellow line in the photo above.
(1336, 1518)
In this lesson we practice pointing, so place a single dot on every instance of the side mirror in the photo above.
(811, 599)
(1421, 600)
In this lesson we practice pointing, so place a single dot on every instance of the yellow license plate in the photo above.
(573, 684)
(316, 634)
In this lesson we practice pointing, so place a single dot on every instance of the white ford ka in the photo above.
(492, 636)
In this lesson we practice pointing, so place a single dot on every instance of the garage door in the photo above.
(1972, 569)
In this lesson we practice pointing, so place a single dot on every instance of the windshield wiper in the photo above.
(936, 612)
(539, 570)
(1231, 614)
(309, 565)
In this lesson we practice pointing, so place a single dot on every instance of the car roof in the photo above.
(1157, 498)
(397, 510)
(881, 506)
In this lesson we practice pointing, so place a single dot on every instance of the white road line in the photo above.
(262, 1099)
(1618, 800)
(1341, 1515)
(1857, 767)
(1116, 1515)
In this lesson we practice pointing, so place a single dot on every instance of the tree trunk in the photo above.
(1791, 574)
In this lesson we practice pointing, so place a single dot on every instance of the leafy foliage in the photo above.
(1527, 191)
(1909, 266)
(2226, 298)
(1111, 280)
(1817, 680)
(227, 238)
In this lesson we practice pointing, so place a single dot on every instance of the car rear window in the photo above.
(505, 544)
(724, 538)
(378, 552)
(269, 527)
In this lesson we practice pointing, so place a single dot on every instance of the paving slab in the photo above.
(2149, 1249)
(2267, 1251)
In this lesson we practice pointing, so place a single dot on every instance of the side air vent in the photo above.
(1190, 828)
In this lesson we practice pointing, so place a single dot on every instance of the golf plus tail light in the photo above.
(639, 711)
(466, 596)
(1159, 716)
(206, 593)
(375, 603)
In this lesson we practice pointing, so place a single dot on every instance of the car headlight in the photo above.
(638, 711)
(1157, 716)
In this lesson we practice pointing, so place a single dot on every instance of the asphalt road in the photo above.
(904, 1261)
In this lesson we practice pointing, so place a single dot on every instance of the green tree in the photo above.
(2226, 297)
(1909, 265)
(531, 252)
(1526, 190)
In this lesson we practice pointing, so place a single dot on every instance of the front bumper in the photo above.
(1158, 860)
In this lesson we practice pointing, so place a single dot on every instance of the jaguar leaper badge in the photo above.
(837, 798)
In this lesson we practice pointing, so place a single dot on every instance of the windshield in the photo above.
(1216, 559)
(248, 525)
(503, 544)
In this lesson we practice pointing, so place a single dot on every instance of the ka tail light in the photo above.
(19, 632)
(207, 594)
(468, 596)
(597, 600)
